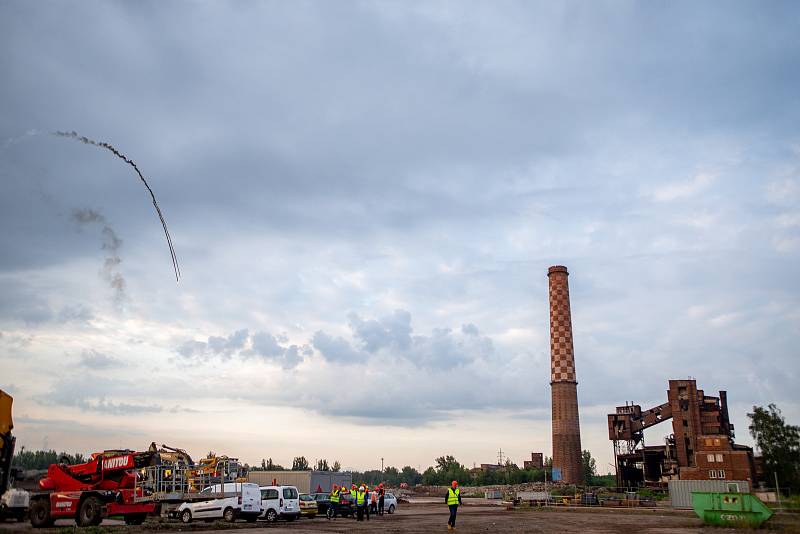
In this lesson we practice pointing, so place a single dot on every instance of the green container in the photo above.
(730, 509)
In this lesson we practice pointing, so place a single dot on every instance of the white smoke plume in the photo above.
(111, 245)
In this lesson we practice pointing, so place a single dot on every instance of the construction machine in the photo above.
(88, 492)
(13, 502)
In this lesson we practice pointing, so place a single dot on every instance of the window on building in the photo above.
(721, 473)
(710, 458)
(685, 423)
(709, 441)
(716, 441)
(719, 457)
(712, 473)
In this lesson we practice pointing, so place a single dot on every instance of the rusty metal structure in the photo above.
(563, 382)
(700, 447)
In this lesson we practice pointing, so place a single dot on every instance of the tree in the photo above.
(272, 466)
(42, 459)
(779, 444)
(300, 464)
(410, 476)
(589, 467)
(336, 466)
(264, 464)
(322, 465)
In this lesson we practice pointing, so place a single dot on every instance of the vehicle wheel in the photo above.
(135, 519)
(272, 515)
(40, 513)
(229, 515)
(391, 508)
(186, 516)
(90, 512)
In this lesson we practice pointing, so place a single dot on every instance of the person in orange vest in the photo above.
(381, 497)
(453, 499)
(373, 502)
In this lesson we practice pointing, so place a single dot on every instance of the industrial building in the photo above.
(304, 481)
(536, 461)
(563, 382)
(700, 447)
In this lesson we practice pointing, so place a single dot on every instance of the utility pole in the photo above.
(381, 465)
(778, 492)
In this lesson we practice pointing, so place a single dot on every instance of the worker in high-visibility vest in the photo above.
(335, 493)
(453, 499)
(361, 501)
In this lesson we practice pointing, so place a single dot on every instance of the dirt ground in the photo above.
(423, 518)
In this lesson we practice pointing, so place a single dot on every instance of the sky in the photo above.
(364, 198)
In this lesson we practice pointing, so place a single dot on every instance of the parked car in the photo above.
(389, 502)
(308, 506)
(280, 502)
(323, 500)
(242, 500)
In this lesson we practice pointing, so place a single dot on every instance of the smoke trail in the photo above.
(123, 157)
(14, 140)
(111, 244)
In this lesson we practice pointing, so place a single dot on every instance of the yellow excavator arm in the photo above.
(6, 424)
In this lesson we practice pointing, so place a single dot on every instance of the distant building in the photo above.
(490, 467)
(536, 461)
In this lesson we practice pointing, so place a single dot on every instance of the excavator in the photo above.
(13, 502)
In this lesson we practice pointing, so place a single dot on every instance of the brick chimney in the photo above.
(563, 384)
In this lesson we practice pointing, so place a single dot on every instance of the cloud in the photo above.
(240, 343)
(689, 188)
(89, 392)
(785, 192)
(93, 359)
(392, 335)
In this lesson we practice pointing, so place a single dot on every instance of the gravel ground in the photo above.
(423, 518)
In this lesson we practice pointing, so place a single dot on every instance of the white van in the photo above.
(241, 500)
(280, 502)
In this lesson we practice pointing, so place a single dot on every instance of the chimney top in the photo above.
(557, 269)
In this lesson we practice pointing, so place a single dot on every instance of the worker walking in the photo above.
(335, 492)
(366, 501)
(453, 499)
(381, 496)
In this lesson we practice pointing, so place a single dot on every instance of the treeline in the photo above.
(42, 459)
(447, 469)
(300, 463)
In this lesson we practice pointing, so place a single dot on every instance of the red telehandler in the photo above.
(102, 487)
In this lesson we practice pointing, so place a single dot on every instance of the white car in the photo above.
(280, 502)
(389, 503)
(242, 500)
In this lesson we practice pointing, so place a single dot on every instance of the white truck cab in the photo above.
(240, 500)
(280, 502)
